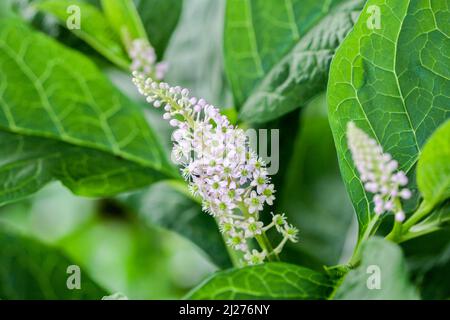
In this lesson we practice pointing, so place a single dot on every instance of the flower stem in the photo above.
(397, 229)
(396, 232)
(233, 254)
(371, 228)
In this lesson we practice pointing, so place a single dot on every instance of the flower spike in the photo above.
(378, 171)
(218, 164)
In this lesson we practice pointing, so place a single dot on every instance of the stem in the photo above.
(396, 232)
(371, 228)
(262, 239)
(421, 212)
(280, 246)
(397, 229)
(234, 255)
(411, 235)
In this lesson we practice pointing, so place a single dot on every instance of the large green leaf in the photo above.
(259, 33)
(313, 196)
(161, 205)
(160, 17)
(94, 28)
(31, 270)
(433, 167)
(266, 281)
(392, 82)
(27, 163)
(58, 104)
(303, 72)
(383, 260)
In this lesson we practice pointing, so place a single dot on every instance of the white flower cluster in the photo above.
(143, 59)
(216, 160)
(379, 172)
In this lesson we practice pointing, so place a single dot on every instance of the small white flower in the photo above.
(279, 220)
(237, 241)
(255, 257)
(400, 216)
(268, 194)
(226, 224)
(254, 202)
(252, 227)
(291, 232)
(260, 181)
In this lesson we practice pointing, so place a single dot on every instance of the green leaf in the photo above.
(391, 82)
(124, 18)
(383, 260)
(433, 167)
(28, 163)
(195, 62)
(438, 219)
(161, 205)
(266, 281)
(313, 196)
(303, 72)
(258, 34)
(60, 118)
(94, 28)
(31, 270)
(160, 17)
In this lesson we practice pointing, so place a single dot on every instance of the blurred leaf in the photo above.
(313, 196)
(61, 108)
(28, 163)
(265, 281)
(428, 258)
(258, 34)
(383, 260)
(195, 52)
(433, 167)
(6, 9)
(30, 270)
(390, 82)
(160, 17)
(136, 260)
(161, 205)
(303, 72)
(124, 18)
(95, 28)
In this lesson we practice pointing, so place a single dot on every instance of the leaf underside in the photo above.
(303, 72)
(260, 33)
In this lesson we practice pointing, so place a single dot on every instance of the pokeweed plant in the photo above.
(384, 67)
